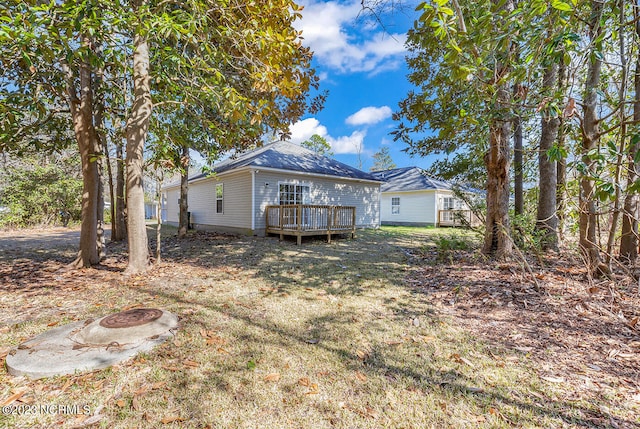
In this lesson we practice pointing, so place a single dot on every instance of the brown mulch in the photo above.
(579, 332)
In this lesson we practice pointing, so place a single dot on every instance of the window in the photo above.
(293, 194)
(450, 203)
(395, 205)
(219, 194)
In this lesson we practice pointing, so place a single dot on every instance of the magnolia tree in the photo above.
(238, 67)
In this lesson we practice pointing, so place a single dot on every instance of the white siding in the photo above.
(323, 191)
(237, 198)
(202, 201)
(170, 205)
(415, 207)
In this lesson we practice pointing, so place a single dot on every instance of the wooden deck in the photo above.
(302, 219)
(455, 218)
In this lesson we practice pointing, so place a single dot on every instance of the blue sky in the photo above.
(361, 63)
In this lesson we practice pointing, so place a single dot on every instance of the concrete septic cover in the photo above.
(92, 344)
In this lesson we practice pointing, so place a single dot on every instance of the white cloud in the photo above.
(303, 130)
(325, 29)
(369, 115)
(348, 144)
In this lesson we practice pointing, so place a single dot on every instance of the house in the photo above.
(296, 188)
(410, 196)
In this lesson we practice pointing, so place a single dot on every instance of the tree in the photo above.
(240, 66)
(41, 190)
(382, 160)
(465, 74)
(629, 239)
(319, 145)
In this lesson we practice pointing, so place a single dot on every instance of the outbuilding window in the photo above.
(395, 205)
(219, 198)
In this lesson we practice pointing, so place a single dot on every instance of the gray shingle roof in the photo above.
(409, 179)
(289, 156)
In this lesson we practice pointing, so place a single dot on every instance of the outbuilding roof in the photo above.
(288, 156)
(409, 179)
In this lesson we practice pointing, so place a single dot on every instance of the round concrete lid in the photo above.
(86, 346)
(96, 333)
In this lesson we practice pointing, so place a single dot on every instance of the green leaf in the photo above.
(560, 5)
(251, 365)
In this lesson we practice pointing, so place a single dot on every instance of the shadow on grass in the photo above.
(428, 378)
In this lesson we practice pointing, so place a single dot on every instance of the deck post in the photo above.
(329, 220)
(281, 211)
(299, 210)
(353, 222)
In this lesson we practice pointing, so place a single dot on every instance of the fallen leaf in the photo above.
(11, 399)
(312, 341)
(90, 421)
(304, 382)
(360, 376)
(191, 363)
(52, 324)
(135, 404)
(158, 385)
(272, 377)
(171, 419)
(363, 355)
(66, 385)
(370, 412)
(216, 340)
(553, 379)
(170, 368)
(121, 403)
(394, 342)
(459, 359)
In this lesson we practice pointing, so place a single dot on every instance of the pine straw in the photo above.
(365, 333)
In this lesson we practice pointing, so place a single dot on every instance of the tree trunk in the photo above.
(547, 222)
(518, 189)
(590, 139)
(82, 115)
(112, 208)
(120, 223)
(629, 239)
(622, 135)
(159, 179)
(561, 164)
(497, 237)
(183, 225)
(137, 128)
(100, 160)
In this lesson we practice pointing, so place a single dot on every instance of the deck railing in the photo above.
(305, 219)
(454, 217)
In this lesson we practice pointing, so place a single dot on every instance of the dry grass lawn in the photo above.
(350, 334)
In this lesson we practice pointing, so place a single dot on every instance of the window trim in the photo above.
(220, 199)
